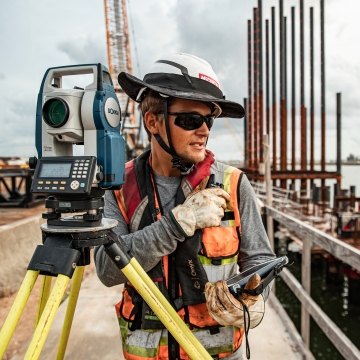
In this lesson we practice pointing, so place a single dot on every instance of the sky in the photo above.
(38, 34)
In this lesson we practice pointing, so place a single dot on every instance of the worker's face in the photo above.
(188, 144)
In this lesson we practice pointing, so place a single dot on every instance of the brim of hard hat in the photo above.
(132, 87)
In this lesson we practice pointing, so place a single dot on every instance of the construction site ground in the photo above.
(95, 333)
(10, 215)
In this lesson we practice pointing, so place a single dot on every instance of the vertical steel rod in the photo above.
(273, 80)
(312, 120)
(285, 125)
(260, 79)
(249, 105)
(282, 91)
(267, 79)
(246, 156)
(338, 134)
(302, 97)
(323, 110)
(281, 75)
(293, 91)
(255, 90)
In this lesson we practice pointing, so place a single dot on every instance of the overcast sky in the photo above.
(38, 34)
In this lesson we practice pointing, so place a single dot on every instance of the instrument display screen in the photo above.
(55, 170)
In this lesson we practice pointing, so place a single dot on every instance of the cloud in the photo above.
(84, 49)
(21, 107)
(201, 31)
(2, 76)
(152, 23)
(18, 128)
(232, 151)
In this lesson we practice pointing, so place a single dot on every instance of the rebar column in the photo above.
(302, 98)
(267, 79)
(338, 136)
(293, 91)
(283, 157)
(255, 90)
(249, 104)
(273, 81)
(323, 110)
(285, 109)
(260, 84)
(246, 156)
(312, 120)
(281, 75)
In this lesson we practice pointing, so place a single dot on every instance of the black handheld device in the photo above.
(268, 271)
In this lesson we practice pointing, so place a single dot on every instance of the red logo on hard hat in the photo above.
(209, 79)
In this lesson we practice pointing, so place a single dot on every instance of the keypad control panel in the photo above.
(64, 175)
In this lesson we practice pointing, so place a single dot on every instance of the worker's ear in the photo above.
(152, 122)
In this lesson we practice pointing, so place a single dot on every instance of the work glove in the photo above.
(201, 209)
(224, 308)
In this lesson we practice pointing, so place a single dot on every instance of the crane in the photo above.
(119, 59)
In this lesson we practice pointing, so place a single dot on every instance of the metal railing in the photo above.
(282, 199)
(310, 236)
(340, 250)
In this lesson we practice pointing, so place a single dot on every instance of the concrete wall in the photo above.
(18, 241)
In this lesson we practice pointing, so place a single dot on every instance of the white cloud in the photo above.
(84, 49)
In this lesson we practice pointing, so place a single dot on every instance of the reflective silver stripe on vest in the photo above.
(144, 338)
(186, 187)
(218, 343)
(146, 342)
(216, 273)
(139, 342)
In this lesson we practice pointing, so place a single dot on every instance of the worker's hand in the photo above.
(224, 308)
(201, 209)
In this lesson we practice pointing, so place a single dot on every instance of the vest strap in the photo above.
(137, 309)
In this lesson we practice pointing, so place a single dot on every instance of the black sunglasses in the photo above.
(192, 121)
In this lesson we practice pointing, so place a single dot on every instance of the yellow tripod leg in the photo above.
(70, 310)
(44, 295)
(47, 318)
(162, 308)
(17, 309)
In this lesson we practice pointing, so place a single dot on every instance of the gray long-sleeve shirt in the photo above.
(153, 242)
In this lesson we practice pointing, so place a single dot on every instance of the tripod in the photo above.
(64, 254)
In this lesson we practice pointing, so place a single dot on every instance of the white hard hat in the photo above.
(182, 76)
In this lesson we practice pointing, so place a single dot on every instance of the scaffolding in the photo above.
(119, 59)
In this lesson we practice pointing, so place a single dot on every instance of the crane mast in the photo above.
(119, 59)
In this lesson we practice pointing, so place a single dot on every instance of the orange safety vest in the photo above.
(218, 255)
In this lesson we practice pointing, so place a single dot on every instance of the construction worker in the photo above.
(190, 221)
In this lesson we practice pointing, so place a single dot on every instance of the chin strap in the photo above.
(184, 167)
